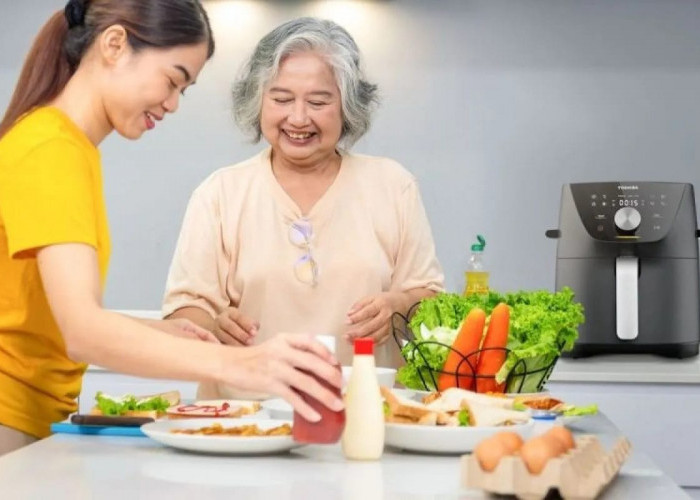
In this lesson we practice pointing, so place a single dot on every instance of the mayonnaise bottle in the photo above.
(363, 437)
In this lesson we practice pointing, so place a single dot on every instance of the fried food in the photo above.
(239, 431)
(540, 403)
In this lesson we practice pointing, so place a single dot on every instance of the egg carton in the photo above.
(581, 473)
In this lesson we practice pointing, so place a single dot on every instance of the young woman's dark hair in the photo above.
(64, 39)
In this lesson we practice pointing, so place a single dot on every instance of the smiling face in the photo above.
(301, 115)
(143, 86)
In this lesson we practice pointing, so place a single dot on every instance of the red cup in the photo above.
(329, 429)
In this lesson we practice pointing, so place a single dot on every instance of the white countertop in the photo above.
(74, 467)
(634, 368)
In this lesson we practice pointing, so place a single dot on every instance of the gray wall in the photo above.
(492, 104)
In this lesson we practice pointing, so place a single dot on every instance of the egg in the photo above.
(489, 452)
(538, 451)
(564, 436)
(511, 440)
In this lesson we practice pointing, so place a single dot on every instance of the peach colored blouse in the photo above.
(370, 234)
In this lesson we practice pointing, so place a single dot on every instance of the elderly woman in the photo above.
(305, 236)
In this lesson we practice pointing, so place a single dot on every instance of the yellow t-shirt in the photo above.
(50, 193)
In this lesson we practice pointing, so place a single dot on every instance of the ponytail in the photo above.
(45, 73)
(64, 39)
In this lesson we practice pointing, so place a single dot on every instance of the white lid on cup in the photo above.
(328, 341)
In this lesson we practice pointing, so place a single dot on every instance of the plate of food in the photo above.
(547, 406)
(224, 436)
(451, 422)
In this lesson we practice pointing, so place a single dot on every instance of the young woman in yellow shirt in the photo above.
(96, 67)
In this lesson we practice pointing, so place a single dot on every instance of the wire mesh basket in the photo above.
(415, 352)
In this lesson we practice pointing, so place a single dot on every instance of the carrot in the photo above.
(466, 342)
(490, 361)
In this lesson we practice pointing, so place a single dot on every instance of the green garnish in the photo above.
(115, 407)
(463, 417)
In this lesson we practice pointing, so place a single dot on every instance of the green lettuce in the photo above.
(424, 355)
(448, 310)
(463, 417)
(542, 325)
(578, 411)
(120, 406)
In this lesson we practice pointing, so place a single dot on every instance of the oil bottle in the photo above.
(476, 277)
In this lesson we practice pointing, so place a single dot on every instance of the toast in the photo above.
(247, 407)
(225, 408)
(403, 407)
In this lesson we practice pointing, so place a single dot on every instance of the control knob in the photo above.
(628, 219)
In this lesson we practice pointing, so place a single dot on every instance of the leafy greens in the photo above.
(542, 325)
(120, 406)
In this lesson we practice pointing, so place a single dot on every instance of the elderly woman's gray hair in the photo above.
(358, 97)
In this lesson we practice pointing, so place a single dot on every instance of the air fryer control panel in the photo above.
(634, 212)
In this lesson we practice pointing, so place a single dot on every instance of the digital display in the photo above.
(628, 203)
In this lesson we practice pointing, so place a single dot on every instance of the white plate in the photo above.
(234, 445)
(278, 408)
(445, 440)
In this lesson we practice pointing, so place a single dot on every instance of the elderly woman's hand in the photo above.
(371, 317)
(232, 327)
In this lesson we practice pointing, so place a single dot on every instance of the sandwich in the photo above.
(484, 415)
(402, 410)
(450, 400)
(453, 407)
(152, 406)
(227, 408)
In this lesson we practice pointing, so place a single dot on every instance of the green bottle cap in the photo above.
(479, 247)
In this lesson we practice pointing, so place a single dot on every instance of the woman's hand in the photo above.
(182, 327)
(232, 327)
(371, 317)
(285, 366)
